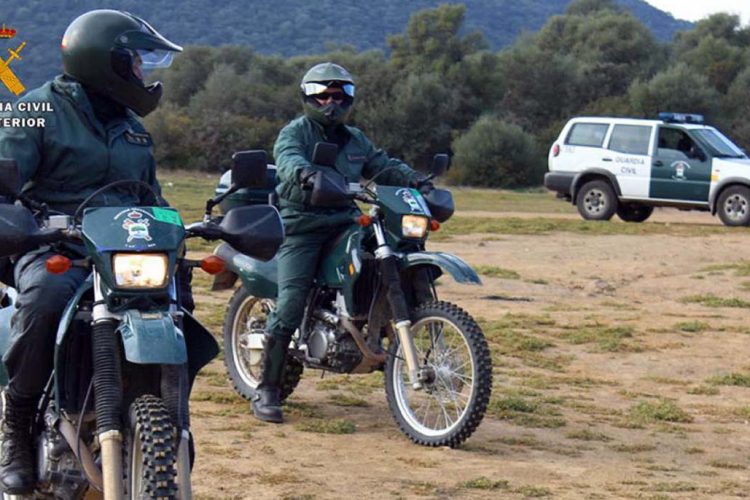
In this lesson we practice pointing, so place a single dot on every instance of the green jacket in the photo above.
(74, 154)
(358, 159)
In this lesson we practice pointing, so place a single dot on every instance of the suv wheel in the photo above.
(734, 206)
(634, 212)
(596, 200)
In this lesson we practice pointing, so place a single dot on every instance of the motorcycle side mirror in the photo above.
(249, 169)
(440, 163)
(254, 230)
(325, 154)
(10, 178)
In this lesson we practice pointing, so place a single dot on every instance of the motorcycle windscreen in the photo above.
(107, 229)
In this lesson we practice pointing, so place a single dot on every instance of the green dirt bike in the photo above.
(114, 418)
(373, 306)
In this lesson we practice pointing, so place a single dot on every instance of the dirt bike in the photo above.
(374, 286)
(114, 417)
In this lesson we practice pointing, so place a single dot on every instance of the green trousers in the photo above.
(298, 260)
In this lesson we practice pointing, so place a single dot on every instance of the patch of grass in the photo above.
(692, 326)
(275, 479)
(711, 300)
(526, 412)
(224, 398)
(496, 200)
(534, 491)
(303, 410)
(703, 390)
(663, 411)
(738, 379)
(723, 464)
(633, 448)
(335, 426)
(607, 338)
(587, 435)
(497, 272)
(344, 400)
(484, 483)
(741, 268)
(674, 487)
(460, 225)
(667, 380)
(694, 450)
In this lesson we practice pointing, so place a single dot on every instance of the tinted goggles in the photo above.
(316, 89)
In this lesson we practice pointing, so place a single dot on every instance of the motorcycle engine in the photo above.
(331, 346)
(60, 474)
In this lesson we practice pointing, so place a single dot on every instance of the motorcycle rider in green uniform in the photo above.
(327, 92)
(90, 139)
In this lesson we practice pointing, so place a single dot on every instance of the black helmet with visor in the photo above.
(111, 52)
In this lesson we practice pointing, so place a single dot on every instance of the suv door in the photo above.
(681, 170)
(628, 158)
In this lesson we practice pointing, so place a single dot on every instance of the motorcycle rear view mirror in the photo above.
(440, 163)
(325, 154)
(249, 169)
(254, 230)
(10, 178)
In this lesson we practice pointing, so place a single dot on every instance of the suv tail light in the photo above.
(555, 150)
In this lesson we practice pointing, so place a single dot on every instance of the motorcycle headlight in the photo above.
(414, 226)
(140, 270)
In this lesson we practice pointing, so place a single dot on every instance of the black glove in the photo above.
(305, 176)
(424, 186)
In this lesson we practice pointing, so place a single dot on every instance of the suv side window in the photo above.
(630, 139)
(587, 134)
(674, 143)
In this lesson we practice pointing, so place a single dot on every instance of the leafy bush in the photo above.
(497, 153)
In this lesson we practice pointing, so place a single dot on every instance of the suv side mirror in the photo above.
(325, 154)
(10, 178)
(440, 163)
(249, 169)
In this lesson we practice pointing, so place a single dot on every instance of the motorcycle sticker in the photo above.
(407, 196)
(137, 230)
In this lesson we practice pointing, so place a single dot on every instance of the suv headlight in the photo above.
(140, 270)
(414, 226)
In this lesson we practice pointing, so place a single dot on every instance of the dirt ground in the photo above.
(622, 370)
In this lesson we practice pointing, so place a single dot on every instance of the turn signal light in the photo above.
(212, 264)
(58, 264)
(434, 225)
(364, 220)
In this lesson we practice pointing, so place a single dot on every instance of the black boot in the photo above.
(16, 453)
(267, 401)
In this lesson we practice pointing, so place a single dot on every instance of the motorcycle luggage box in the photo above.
(245, 196)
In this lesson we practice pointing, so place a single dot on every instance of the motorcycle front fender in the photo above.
(152, 338)
(258, 277)
(460, 270)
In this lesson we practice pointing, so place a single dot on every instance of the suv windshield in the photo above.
(720, 145)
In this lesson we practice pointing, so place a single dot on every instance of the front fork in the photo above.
(397, 301)
(108, 395)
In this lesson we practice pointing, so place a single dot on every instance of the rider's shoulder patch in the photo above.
(140, 139)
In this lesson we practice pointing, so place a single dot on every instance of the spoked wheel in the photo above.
(455, 375)
(151, 449)
(244, 328)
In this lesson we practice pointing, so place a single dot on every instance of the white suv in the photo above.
(628, 166)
